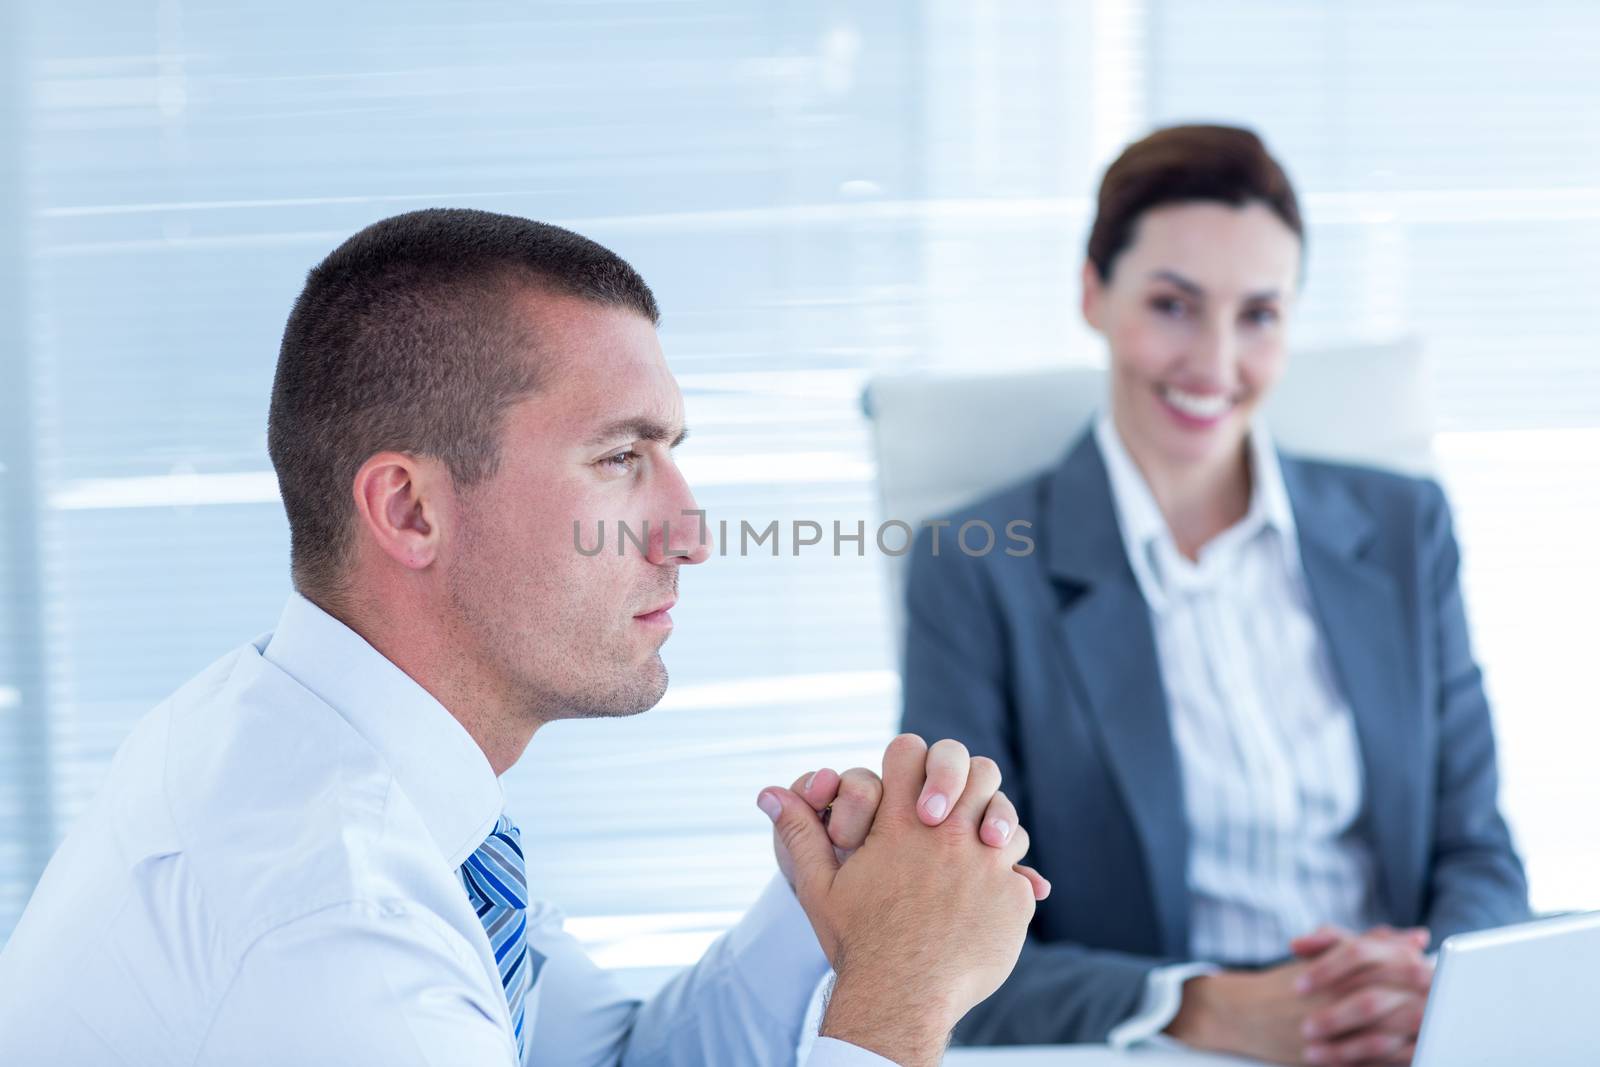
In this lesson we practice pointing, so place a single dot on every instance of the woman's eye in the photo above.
(1261, 316)
(1170, 306)
(622, 462)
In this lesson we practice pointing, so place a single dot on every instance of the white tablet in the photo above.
(1520, 995)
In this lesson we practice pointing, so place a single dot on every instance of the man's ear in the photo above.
(1093, 297)
(399, 502)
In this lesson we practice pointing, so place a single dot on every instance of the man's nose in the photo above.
(683, 536)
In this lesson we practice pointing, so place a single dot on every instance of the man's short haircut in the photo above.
(1180, 164)
(408, 338)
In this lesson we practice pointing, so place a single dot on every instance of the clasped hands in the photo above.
(1346, 999)
(914, 886)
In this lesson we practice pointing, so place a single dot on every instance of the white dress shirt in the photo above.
(1266, 744)
(268, 876)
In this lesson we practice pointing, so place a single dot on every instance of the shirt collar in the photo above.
(434, 760)
(1268, 490)
(1269, 497)
(1152, 554)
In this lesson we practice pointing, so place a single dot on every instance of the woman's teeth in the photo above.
(1196, 405)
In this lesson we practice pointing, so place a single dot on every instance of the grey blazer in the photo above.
(1047, 663)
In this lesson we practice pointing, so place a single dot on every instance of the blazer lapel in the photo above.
(1360, 611)
(1109, 646)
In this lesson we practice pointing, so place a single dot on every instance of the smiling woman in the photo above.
(1193, 259)
(1214, 684)
(1193, 315)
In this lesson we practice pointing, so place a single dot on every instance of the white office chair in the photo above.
(942, 441)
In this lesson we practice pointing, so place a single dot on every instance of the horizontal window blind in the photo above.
(186, 162)
(1451, 153)
(817, 194)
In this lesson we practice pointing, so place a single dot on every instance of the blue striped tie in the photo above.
(497, 886)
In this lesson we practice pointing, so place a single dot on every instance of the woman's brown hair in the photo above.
(1186, 163)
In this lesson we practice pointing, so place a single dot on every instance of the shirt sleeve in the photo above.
(744, 1002)
(1163, 995)
(363, 982)
(360, 982)
(831, 1052)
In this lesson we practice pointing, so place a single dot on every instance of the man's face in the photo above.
(560, 632)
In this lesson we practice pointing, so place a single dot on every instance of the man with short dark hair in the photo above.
(302, 857)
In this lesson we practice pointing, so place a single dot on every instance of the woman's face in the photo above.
(1195, 314)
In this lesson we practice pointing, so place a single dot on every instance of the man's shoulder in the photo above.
(276, 803)
(241, 814)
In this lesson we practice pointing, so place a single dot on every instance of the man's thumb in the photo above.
(800, 833)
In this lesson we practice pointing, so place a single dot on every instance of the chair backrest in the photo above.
(941, 441)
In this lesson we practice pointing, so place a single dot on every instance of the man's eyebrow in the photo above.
(639, 428)
(1194, 290)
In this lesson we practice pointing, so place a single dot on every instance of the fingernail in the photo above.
(1316, 1054)
(809, 779)
(1002, 828)
(771, 805)
(936, 805)
(1302, 984)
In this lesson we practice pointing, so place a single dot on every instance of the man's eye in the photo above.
(622, 462)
